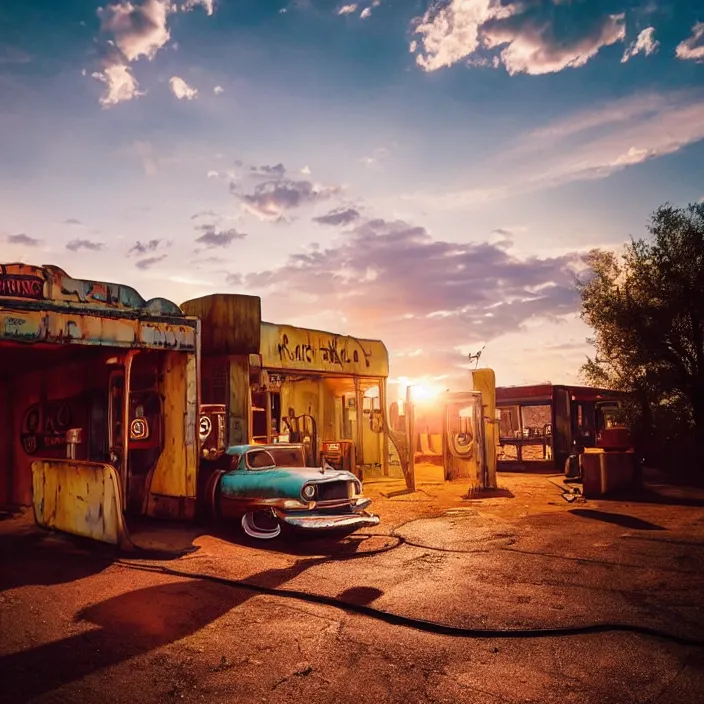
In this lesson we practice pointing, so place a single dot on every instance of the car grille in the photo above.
(331, 491)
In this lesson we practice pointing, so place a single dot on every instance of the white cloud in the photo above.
(645, 43)
(533, 50)
(347, 9)
(181, 89)
(692, 48)
(206, 4)
(138, 30)
(366, 12)
(451, 33)
(121, 84)
(306, 170)
(213, 174)
(218, 90)
(526, 34)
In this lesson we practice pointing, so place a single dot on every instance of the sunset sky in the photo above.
(426, 174)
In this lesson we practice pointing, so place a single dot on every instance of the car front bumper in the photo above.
(321, 523)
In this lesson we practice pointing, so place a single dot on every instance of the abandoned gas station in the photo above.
(112, 405)
(99, 401)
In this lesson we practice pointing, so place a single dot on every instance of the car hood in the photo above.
(285, 482)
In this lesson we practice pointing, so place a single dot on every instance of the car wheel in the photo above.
(261, 525)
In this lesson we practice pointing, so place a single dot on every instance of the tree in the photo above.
(646, 306)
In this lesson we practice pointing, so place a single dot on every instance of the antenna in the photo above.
(475, 357)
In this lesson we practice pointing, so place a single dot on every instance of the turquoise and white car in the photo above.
(270, 490)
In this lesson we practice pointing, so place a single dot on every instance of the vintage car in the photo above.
(269, 490)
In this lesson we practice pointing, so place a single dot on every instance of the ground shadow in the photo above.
(329, 546)
(360, 595)
(663, 494)
(128, 625)
(618, 519)
(42, 558)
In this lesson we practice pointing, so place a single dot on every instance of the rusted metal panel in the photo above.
(286, 347)
(52, 285)
(90, 329)
(44, 304)
(230, 323)
(81, 498)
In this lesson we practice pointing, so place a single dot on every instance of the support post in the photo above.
(411, 437)
(384, 428)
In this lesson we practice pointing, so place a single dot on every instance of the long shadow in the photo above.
(663, 494)
(618, 519)
(329, 546)
(42, 558)
(127, 626)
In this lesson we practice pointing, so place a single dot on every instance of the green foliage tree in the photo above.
(646, 307)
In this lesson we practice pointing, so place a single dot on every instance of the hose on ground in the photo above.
(421, 624)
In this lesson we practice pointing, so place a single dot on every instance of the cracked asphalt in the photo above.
(77, 625)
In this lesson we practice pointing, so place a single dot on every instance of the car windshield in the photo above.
(287, 456)
(259, 459)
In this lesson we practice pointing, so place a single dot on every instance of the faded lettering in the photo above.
(21, 286)
(328, 352)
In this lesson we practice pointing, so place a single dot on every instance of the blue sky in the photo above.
(426, 173)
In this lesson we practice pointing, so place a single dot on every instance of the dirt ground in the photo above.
(79, 623)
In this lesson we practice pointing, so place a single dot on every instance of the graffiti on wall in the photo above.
(44, 427)
(330, 352)
(16, 285)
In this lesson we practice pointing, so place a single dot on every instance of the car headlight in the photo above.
(308, 492)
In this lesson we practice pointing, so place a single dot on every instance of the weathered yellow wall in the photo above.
(81, 498)
(52, 384)
(175, 471)
(6, 435)
(302, 396)
(288, 347)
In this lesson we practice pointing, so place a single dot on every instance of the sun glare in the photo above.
(424, 392)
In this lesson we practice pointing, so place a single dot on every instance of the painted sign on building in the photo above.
(288, 347)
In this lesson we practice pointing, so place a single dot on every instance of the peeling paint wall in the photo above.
(176, 468)
(74, 382)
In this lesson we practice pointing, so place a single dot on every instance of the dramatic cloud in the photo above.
(394, 281)
(277, 194)
(23, 239)
(137, 30)
(181, 89)
(531, 45)
(347, 9)
(75, 245)
(213, 238)
(140, 248)
(692, 48)
(149, 262)
(339, 216)
(121, 84)
(645, 43)
(527, 33)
